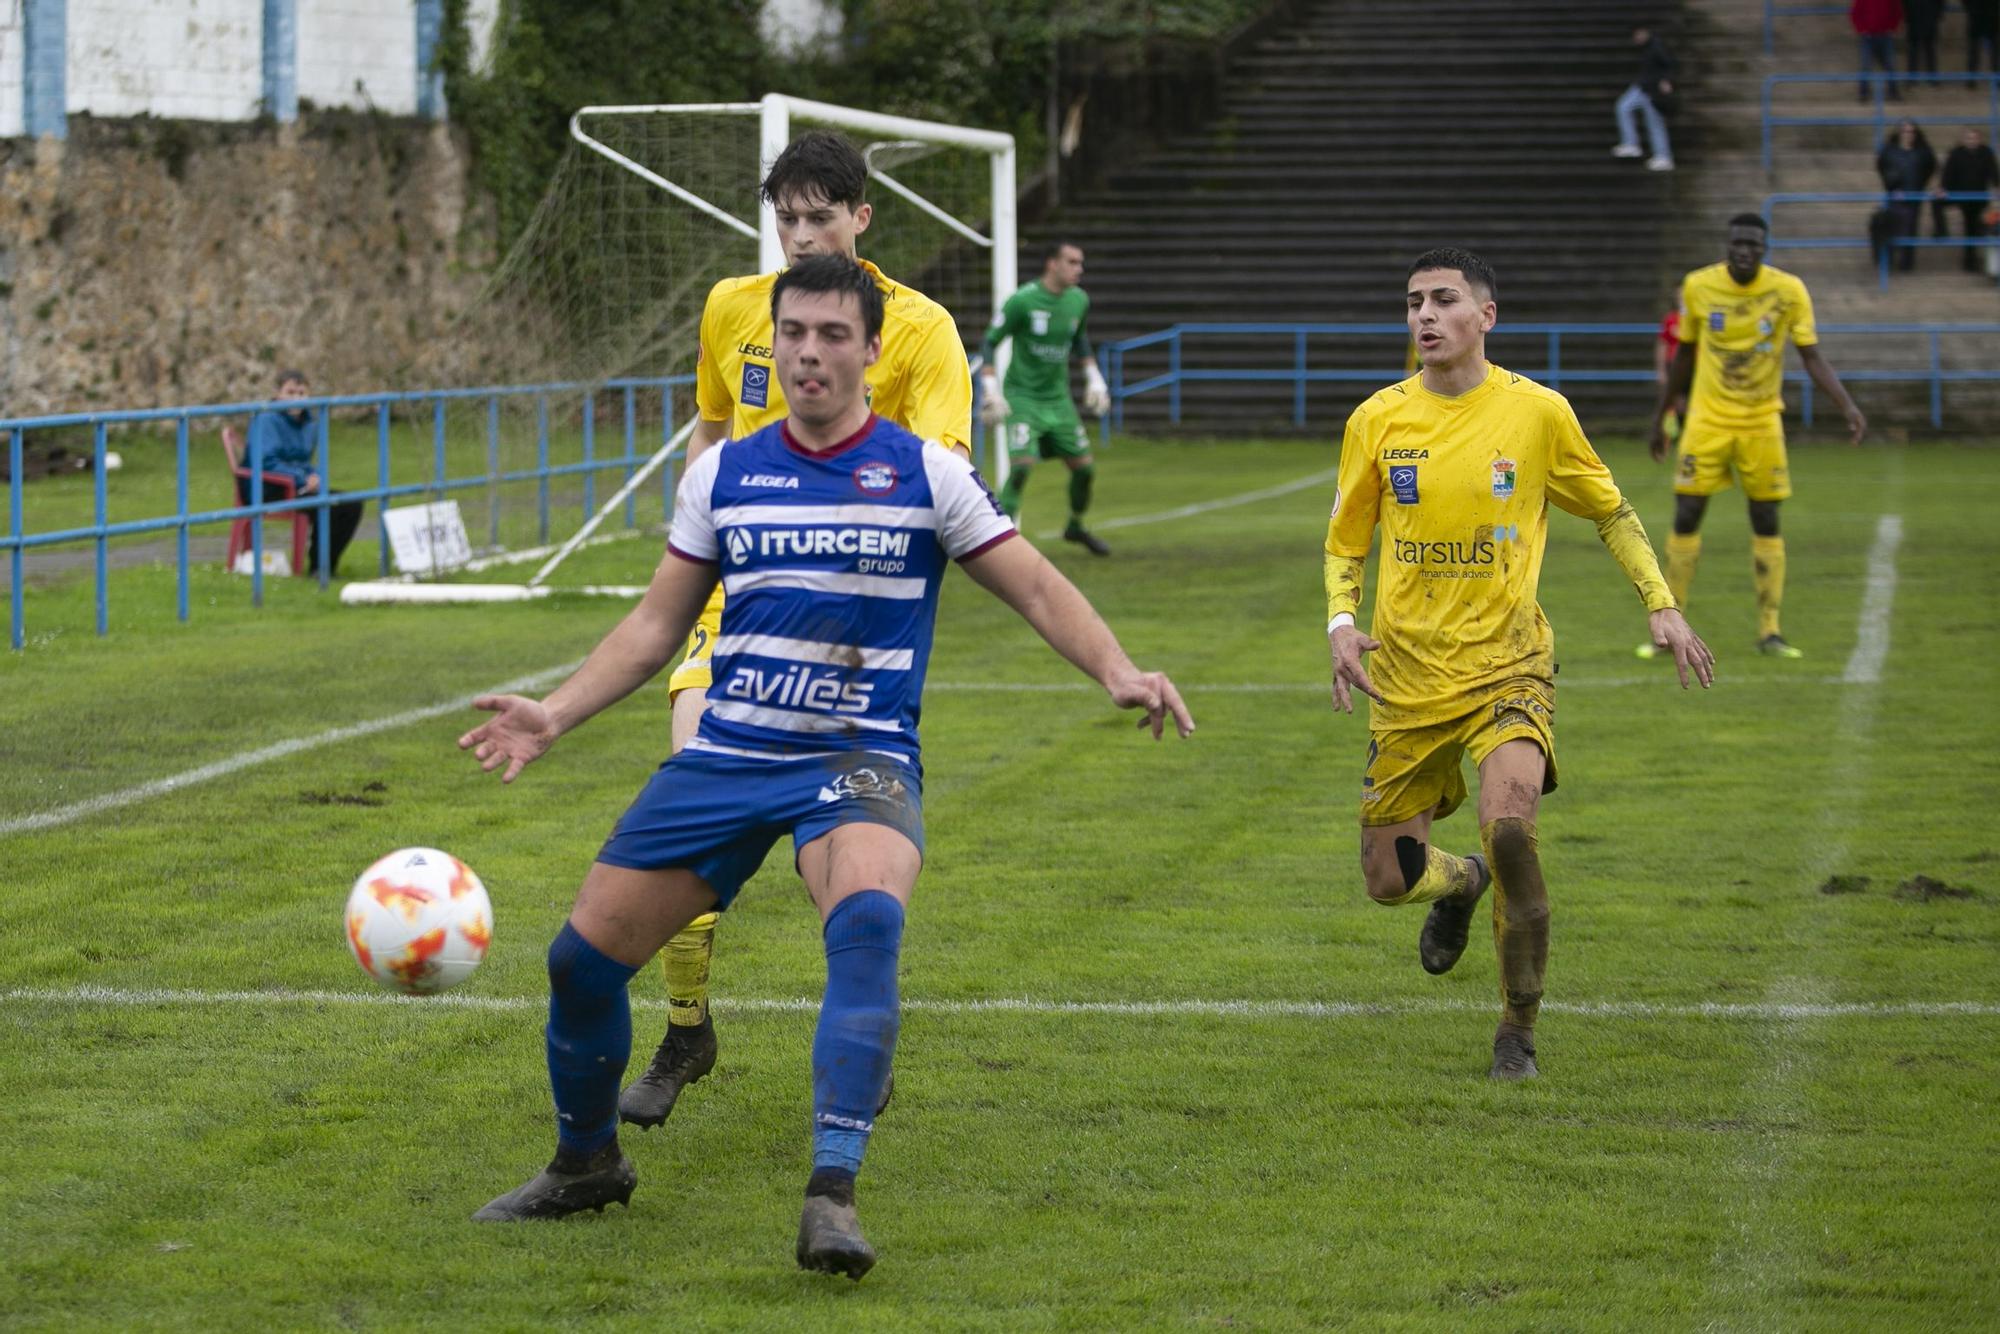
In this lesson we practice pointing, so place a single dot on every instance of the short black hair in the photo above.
(289, 376)
(1750, 220)
(1055, 248)
(836, 274)
(819, 165)
(1476, 270)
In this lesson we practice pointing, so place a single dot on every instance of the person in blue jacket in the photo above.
(282, 441)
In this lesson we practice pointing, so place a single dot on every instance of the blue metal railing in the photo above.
(1773, 11)
(1552, 373)
(1778, 242)
(1878, 118)
(16, 540)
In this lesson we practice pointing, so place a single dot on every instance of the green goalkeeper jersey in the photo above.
(1048, 331)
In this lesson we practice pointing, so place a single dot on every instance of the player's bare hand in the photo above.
(1657, 445)
(1672, 632)
(519, 733)
(1857, 425)
(1154, 693)
(1347, 644)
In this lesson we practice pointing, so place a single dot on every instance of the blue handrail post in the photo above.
(1299, 384)
(493, 471)
(589, 454)
(1555, 360)
(631, 456)
(382, 485)
(18, 616)
(1937, 383)
(441, 476)
(322, 536)
(667, 468)
(103, 506)
(542, 467)
(181, 512)
(255, 449)
(1174, 377)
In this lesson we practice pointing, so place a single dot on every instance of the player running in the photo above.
(1458, 465)
(831, 531)
(1734, 322)
(817, 188)
(1046, 321)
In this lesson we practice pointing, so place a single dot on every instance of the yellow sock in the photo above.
(685, 962)
(1520, 917)
(1767, 569)
(1442, 874)
(1683, 550)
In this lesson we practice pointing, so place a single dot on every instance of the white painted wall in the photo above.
(369, 42)
(11, 54)
(196, 59)
(791, 26)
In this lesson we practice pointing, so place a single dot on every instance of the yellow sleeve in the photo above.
(1578, 480)
(938, 396)
(711, 392)
(1343, 584)
(1805, 333)
(1693, 318)
(1626, 538)
(1357, 496)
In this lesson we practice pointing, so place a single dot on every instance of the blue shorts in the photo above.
(718, 815)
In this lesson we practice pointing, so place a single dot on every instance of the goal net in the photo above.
(579, 356)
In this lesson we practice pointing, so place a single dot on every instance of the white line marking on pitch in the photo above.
(1203, 507)
(1764, 1012)
(62, 815)
(1871, 642)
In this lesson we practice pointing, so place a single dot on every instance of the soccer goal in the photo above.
(591, 323)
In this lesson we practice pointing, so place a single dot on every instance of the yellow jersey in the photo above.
(1739, 335)
(1460, 488)
(921, 382)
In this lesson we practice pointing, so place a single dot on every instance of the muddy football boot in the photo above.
(685, 1055)
(1450, 922)
(568, 1185)
(1513, 1054)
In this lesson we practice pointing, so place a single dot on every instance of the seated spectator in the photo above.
(1905, 165)
(281, 441)
(1969, 168)
(1875, 23)
(1651, 94)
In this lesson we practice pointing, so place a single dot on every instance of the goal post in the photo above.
(654, 204)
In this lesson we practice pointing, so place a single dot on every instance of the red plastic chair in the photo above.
(277, 486)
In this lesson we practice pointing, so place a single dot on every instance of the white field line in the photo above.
(1871, 641)
(1203, 507)
(1765, 1012)
(109, 801)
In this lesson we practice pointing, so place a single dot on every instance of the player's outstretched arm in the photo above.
(1821, 371)
(1022, 577)
(522, 730)
(1625, 537)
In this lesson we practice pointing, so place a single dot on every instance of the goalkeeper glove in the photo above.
(1096, 394)
(993, 408)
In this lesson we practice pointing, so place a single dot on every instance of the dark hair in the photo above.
(818, 165)
(1055, 248)
(1476, 270)
(1750, 220)
(836, 274)
(286, 377)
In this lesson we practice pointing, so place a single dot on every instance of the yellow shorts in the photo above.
(1755, 455)
(693, 673)
(1416, 771)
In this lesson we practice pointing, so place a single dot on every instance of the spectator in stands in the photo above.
(281, 441)
(1905, 165)
(1920, 26)
(1875, 23)
(1969, 168)
(1651, 95)
(1982, 33)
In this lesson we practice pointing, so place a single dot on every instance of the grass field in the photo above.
(1163, 1063)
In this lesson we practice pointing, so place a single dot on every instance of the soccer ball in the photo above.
(419, 920)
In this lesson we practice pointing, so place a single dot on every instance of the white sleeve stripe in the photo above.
(815, 651)
(826, 581)
(874, 516)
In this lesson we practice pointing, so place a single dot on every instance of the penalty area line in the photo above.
(1762, 1012)
(1204, 506)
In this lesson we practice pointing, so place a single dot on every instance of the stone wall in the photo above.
(154, 263)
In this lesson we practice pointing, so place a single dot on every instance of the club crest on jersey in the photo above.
(1503, 479)
(875, 478)
(1715, 321)
(1403, 481)
(739, 546)
(1038, 322)
(756, 392)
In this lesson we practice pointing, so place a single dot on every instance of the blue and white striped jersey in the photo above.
(831, 564)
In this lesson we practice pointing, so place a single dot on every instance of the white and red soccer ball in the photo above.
(419, 921)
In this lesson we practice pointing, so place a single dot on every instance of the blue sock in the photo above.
(589, 1039)
(857, 1026)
